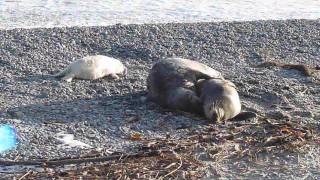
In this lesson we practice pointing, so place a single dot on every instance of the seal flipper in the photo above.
(114, 76)
(63, 73)
(68, 77)
(245, 115)
(200, 75)
(185, 100)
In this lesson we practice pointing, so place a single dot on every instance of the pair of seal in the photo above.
(171, 83)
(92, 67)
(190, 86)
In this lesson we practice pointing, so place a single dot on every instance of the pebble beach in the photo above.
(104, 113)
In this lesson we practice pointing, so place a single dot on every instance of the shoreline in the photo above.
(105, 113)
(158, 23)
(43, 13)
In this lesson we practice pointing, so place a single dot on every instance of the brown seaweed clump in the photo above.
(304, 69)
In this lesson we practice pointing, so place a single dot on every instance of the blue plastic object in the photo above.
(8, 138)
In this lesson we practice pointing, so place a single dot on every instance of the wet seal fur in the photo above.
(220, 99)
(92, 67)
(171, 83)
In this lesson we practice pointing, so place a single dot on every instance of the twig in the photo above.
(303, 92)
(157, 175)
(175, 169)
(77, 160)
(25, 175)
(17, 157)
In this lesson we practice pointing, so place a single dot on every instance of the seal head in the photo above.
(220, 99)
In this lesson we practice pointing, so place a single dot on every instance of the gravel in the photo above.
(103, 113)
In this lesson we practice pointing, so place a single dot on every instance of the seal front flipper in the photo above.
(63, 73)
(244, 116)
(185, 100)
(200, 75)
(68, 77)
(114, 76)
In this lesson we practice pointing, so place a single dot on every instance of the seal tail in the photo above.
(62, 73)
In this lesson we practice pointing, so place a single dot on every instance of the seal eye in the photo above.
(214, 117)
(188, 84)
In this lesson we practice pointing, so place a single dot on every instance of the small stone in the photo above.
(91, 136)
(16, 114)
(286, 88)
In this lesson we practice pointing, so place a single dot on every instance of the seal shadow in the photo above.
(50, 77)
(110, 112)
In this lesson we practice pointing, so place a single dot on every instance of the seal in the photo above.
(220, 99)
(92, 67)
(171, 83)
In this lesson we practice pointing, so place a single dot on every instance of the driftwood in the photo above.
(64, 161)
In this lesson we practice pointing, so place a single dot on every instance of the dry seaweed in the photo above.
(165, 158)
(304, 69)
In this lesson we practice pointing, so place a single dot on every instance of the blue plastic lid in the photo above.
(8, 138)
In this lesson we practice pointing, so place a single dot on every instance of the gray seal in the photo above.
(220, 99)
(171, 83)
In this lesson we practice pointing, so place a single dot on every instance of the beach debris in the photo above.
(273, 140)
(170, 157)
(8, 137)
(69, 141)
(135, 136)
(304, 69)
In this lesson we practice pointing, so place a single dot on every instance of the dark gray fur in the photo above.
(171, 83)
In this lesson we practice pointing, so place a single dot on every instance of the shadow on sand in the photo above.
(117, 110)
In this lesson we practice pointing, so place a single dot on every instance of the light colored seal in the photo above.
(220, 99)
(171, 83)
(92, 67)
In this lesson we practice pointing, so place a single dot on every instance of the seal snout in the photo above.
(220, 99)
